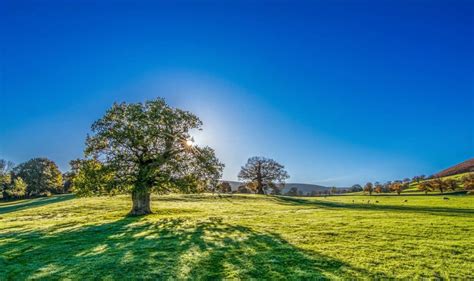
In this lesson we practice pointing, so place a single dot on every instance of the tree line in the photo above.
(36, 177)
(422, 183)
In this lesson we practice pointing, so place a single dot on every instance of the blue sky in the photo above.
(340, 92)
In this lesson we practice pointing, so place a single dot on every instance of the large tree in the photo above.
(41, 175)
(140, 148)
(264, 173)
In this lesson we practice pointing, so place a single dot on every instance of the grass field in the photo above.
(238, 237)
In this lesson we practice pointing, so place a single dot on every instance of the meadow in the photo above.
(238, 237)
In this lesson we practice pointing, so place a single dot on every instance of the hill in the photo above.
(304, 187)
(464, 167)
(239, 237)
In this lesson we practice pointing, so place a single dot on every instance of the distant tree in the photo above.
(5, 175)
(397, 187)
(276, 190)
(145, 148)
(41, 175)
(17, 189)
(292, 192)
(369, 187)
(224, 187)
(451, 184)
(378, 187)
(68, 178)
(263, 172)
(417, 179)
(425, 186)
(468, 182)
(356, 188)
(386, 186)
(439, 184)
(243, 189)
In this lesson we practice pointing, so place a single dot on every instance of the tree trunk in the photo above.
(140, 203)
(260, 189)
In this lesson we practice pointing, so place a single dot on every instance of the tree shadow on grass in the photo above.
(13, 206)
(134, 248)
(376, 207)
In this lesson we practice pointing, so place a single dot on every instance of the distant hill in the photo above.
(464, 167)
(305, 188)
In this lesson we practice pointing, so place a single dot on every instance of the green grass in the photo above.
(238, 237)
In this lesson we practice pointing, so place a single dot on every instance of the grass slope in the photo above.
(414, 186)
(238, 237)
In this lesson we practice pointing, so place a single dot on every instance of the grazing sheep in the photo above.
(376, 201)
(405, 201)
(445, 198)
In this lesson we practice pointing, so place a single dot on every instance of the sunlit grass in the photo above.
(210, 237)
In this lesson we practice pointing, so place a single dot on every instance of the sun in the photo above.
(189, 143)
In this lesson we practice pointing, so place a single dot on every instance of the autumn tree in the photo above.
(397, 186)
(468, 182)
(264, 173)
(425, 186)
(439, 183)
(369, 187)
(243, 189)
(140, 148)
(451, 184)
(41, 175)
(224, 187)
(378, 187)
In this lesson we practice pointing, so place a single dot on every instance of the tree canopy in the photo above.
(264, 173)
(41, 176)
(140, 148)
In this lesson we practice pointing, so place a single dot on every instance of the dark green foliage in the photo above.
(356, 188)
(41, 175)
(141, 148)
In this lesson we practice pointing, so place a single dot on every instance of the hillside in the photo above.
(464, 167)
(238, 237)
(305, 188)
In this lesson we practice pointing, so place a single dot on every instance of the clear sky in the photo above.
(340, 92)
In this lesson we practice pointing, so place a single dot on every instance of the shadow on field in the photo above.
(375, 206)
(13, 206)
(132, 248)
